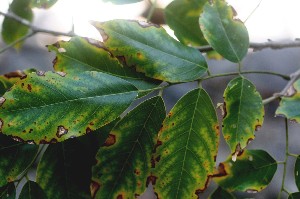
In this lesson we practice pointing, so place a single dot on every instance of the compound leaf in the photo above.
(244, 113)
(13, 30)
(290, 105)
(124, 161)
(221, 193)
(187, 147)
(80, 54)
(45, 4)
(183, 17)
(8, 191)
(64, 171)
(32, 190)
(15, 157)
(149, 49)
(252, 171)
(228, 36)
(297, 172)
(52, 107)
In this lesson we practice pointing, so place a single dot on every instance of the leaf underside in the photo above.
(51, 107)
(187, 147)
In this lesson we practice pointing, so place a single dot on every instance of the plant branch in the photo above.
(293, 78)
(259, 46)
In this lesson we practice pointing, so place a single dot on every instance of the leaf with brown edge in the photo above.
(52, 107)
(252, 171)
(149, 49)
(82, 54)
(289, 106)
(244, 114)
(123, 163)
(13, 30)
(187, 146)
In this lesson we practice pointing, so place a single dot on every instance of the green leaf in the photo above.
(124, 161)
(45, 4)
(297, 172)
(149, 49)
(13, 30)
(122, 1)
(290, 105)
(32, 190)
(187, 147)
(294, 195)
(227, 35)
(53, 107)
(64, 171)
(252, 172)
(183, 17)
(221, 193)
(7, 80)
(244, 113)
(81, 54)
(15, 158)
(8, 191)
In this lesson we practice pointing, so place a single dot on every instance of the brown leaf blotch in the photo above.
(221, 171)
(61, 130)
(88, 130)
(111, 140)
(137, 172)
(120, 196)
(52, 141)
(29, 87)
(257, 127)
(15, 74)
(151, 179)
(158, 143)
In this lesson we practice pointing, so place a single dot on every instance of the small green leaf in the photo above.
(294, 195)
(228, 36)
(124, 161)
(290, 105)
(15, 157)
(45, 4)
(79, 54)
(187, 147)
(31, 190)
(51, 107)
(244, 113)
(149, 49)
(252, 171)
(183, 17)
(13, 30)
(64, 171)
(122, 1)
(220, 193)
(8, 191)
(297, 172)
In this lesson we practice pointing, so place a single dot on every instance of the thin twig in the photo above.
(260, 46)
(294, 77)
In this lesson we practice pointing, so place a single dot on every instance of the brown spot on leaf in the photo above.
(151, 179)
(137, 172)
(257, 127)
(29, 87)
(122, 59)
(158, 143)
(18, 139)
(30, 130)
(62, 74)
(221, 171)
(15, 74)
(249, 140)
(120, 196)
(61, 130)
(111, 140)
(170, 114)
(40, 73)
(52, 141)
(88, 130)
(92, 123)
(94, 187)
(2, 100)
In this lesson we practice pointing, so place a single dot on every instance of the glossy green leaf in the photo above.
(8, 191)
(53, 107)
(290, 105)
(124, 161)
(252, 172)
(244, 113)
(122, 1)
(43, 3)
(220, 193)
(183, 17)
(13, 30)
(31, 190)
(187, 147)
(15, 157)
(64, 171)
(227, 35)
(81, 54)
(294, 195)
(149, 49)
(7, 80)
(297, 172)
